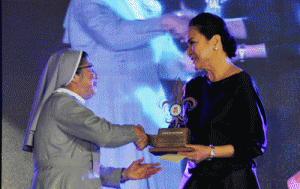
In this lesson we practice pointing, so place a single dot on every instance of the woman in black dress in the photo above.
(228, 125)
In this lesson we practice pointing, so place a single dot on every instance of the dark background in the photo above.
(32, 30)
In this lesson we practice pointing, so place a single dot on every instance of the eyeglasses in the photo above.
(89, 66)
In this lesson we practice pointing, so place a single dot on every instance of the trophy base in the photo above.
(163, 151)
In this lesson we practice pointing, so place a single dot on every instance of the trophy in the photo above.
(173, 139)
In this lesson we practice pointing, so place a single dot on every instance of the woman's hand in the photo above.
(202, 152)
(152, 140)
(199, 154)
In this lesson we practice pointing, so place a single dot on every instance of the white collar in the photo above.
(64, 90)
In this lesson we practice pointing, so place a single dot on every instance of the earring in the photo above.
(216, 48)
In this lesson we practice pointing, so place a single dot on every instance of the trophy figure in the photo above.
(173, 139)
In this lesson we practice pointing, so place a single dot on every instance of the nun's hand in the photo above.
(143, 141)
(137, 170)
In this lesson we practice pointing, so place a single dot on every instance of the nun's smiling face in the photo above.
(87, 80)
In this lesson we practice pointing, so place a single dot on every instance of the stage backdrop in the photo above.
(32, 30)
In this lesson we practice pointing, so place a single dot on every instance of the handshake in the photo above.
(144, 139)
(138, 170)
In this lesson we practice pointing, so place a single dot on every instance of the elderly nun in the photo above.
(65, 136)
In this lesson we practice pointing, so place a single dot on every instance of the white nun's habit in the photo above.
(65, 136)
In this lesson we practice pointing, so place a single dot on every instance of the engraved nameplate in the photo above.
(172, 137)
(171, 141)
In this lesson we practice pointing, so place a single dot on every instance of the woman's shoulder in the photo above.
(244, 79)
(246, 84)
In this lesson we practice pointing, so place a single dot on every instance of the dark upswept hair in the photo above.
(209, 25)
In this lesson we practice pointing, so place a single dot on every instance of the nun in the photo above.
(65, 137)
